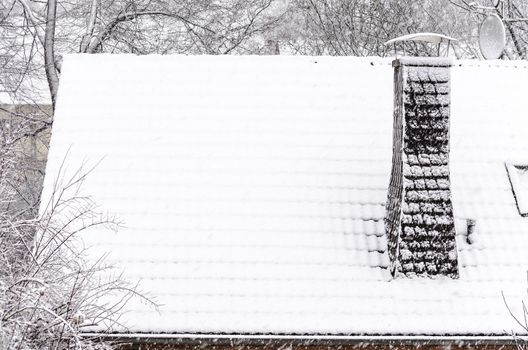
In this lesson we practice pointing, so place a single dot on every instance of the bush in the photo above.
(49, 291)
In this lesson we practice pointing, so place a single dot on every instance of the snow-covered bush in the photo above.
(521, 341)
(49, 292)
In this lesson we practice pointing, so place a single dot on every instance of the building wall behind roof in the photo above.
(29, 125)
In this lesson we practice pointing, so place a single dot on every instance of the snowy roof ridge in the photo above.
(492, 63)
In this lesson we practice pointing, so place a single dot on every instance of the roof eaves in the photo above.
(304, 340)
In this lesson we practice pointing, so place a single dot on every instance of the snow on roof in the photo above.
(252, 190)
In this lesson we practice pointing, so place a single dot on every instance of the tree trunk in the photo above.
(49, 54)
(85, 42)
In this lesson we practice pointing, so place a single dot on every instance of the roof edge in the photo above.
(263, 339)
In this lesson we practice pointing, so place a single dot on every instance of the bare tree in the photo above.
(20, 51)
(361, 27)
(130, 26)
(49, 290)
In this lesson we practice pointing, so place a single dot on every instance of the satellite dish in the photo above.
(492, 37)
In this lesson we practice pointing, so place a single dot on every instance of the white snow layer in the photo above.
(252, 191)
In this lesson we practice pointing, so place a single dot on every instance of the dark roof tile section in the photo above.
(420, 221)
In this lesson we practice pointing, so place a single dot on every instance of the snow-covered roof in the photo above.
(252, 191)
